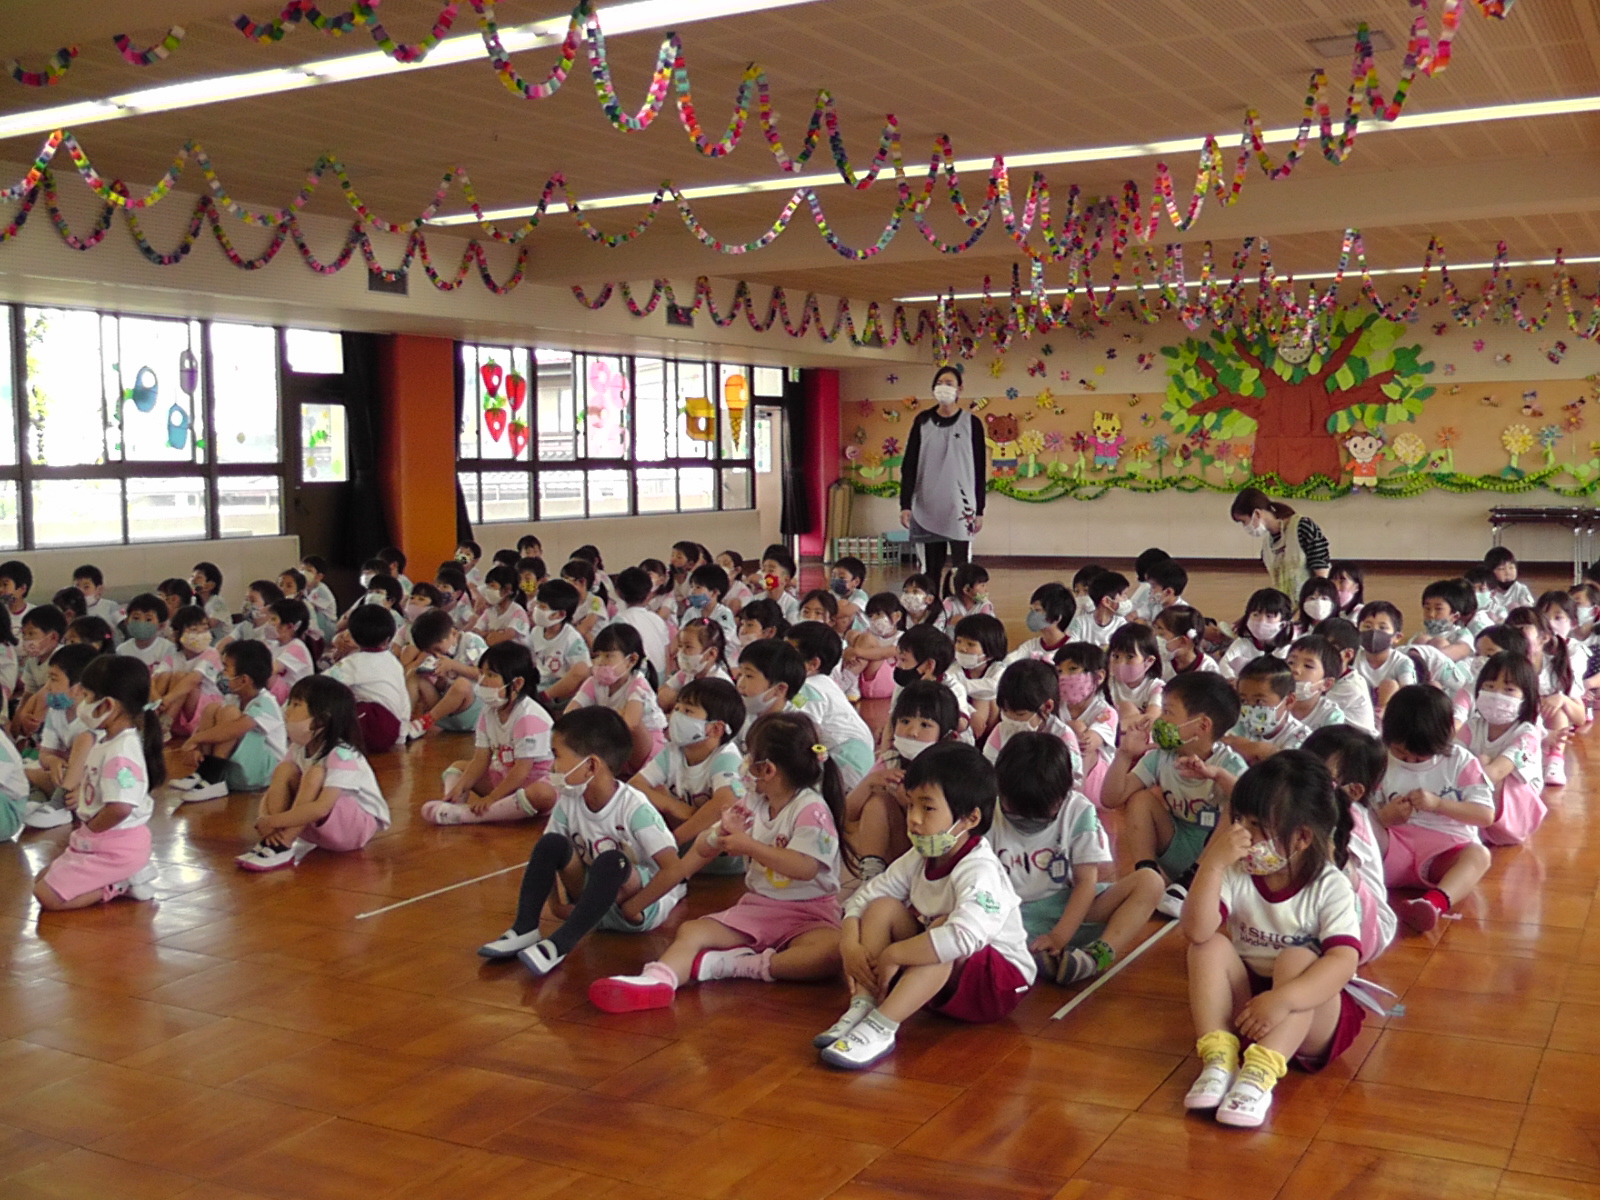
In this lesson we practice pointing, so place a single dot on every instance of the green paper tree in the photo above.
(1236, 387)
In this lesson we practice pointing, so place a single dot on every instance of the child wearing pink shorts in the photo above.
(324, 793)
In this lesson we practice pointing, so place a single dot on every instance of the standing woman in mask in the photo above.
(1293, 548)
(943, 478)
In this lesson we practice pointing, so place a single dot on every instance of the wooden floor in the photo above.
(265, 1037)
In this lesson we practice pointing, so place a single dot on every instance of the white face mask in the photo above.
(492, 595)
(1255, 529)
(1010, 727)
(563, 783)
(544, 618)
(1585, 614)
(1318, 608)
(1306, 690)
(1085, 604)
(908, 748)
(366, 578)
(690, 663)
(87, 716)
(970, 662)
(492, 696)
(197, 640)
(914, 602)
(945, 393)
(684, 730)
(1124, 607)
(880, 625)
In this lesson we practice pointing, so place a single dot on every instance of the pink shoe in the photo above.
(634, 993)
(442, 812)
(1418, 914)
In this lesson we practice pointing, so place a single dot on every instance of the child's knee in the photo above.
(1292, 963)
(1147, 886)
(1216, 951)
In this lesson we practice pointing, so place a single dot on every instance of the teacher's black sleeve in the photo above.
(980, 465)
(1315, 545)
(908, 464)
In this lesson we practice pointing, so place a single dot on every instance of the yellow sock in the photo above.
(1263, 1067)
(1219, 1048)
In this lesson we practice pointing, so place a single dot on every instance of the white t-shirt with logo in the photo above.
(557, 654)
(1454, 775)
(1039, 864)
(1194, 801)
(376, 677)
(525, 733)
(804, 824)
(1321, 916)
(115, 773)
(694, 783)
(628, 822)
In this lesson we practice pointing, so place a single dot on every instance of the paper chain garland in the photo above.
(54, 68)
(157, 52)
(61, 61)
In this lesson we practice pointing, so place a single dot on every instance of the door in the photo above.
(769, 440)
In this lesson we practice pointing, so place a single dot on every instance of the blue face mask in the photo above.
(1037, 621)
(698, 599)
(841, 587)
(143, 630)
(60, 701)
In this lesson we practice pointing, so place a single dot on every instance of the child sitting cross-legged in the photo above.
(376, 677)
(442, 681)
(606, 846)
(324, 793)
(239, 743)
(1274, 936)
(507, 777)
(60, 729)
(786, 925)
(1265, 726)
(695, 778)
(1050, 841)
(941, 929)
(925, 714)
(193, 684)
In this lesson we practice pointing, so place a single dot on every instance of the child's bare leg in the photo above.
(1146, 827)
(50, 902)
(1463, 869)
(279, 798)
(887, 920)
(216, 715)
(695, 936)
(1219, 984)
(1125, 907)
(813, 955)
(1301, 1032)
(456, 698)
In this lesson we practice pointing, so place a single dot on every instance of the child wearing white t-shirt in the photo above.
(622, 680)
(1050, 841)
(1503, 731)
(606, 844)
(108, 854)
(821, 699)
(1265, 725)
(383, 705)
(695, 778)
(1133, 662)
(558, 649)
(240, 742)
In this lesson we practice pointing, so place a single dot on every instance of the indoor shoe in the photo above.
(206, 791)
(1171, 902)
(1246, 1104)
(630, 993)
(265, 857)
(1420, 914)
(861, 1047)
(541, 958)
(860, 1009)
(509, 944)
(1207, 1092)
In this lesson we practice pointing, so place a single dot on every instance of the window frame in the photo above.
(25, 473)
(585, 464)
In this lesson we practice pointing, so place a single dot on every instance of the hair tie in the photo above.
(152, 706)
(820, 751)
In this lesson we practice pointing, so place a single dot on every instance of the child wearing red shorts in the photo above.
(941, 928)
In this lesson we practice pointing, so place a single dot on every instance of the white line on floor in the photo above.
(1106, 978)
(440, 891)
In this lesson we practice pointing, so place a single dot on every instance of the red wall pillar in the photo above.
(821, 465)
(416, 380)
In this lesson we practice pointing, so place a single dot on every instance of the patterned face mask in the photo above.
(1264, 859)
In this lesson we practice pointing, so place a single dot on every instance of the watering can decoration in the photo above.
(177, 415)
(144, 394)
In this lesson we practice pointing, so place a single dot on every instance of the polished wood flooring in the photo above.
(264, 1036)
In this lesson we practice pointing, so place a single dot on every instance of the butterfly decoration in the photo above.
(1147, 419)
(1066, 377)
(1133, 339)
(1449, 368)
(1036, 367)
(1575, 407)
(1555, 353)
(1490, 402)
(997, 367)
(1047, 349)
(1438, 330)
(1502, 360)
(866, 407)
(891, 377)
(1531, 406)
(1477, 344)
(1112, 352)
(1146, 361)
(1087, 386)
(891, 415)
(910, 402)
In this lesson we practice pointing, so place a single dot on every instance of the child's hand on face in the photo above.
(1226, 846)
(1134, 741)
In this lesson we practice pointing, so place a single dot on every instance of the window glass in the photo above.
(733, 393)
(696, 489)
(608, 493)
(8, 406)
(244, 379)
(10, 518)
(654, 435)
(558, 409)
(249, 506)
(697, 412)
(167, 509)
(323, 457)
(469, 493)
(155, 385)
(658, 490)
(505, 496)
(736, 487)
(763, 443)
(77, 512)
(67, 413)
(314, 351)
(560, 494)
(769, 382)
(606, 399)
(495, 412)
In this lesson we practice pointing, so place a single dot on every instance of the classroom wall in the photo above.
(132, 569)
(1504, 404)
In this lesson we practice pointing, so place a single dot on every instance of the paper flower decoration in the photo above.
(1498, 9)
(1438, 330)
(851, 453)
(1031, 442)
(1572, 422)
(1139, 451)
(1409, 448)
(891, 377)
(1012, 393)
(1036, 367)
(1054, 442)
(1477, 344)
(1556, 352)
(1517, 439)
(1449, 368)
(1047, 349)
(1045, 399)
(1549, 435)
(891, 447)
(1449, 436)
(871, 461)
(1066, 377)
(1158, 444)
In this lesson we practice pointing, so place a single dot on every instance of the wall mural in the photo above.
(1376, 411)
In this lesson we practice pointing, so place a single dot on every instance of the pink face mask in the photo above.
(1130, 673)
(1075, 689)
(607, 676)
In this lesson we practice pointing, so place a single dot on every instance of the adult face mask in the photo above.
(945, 393)
(1255, 529)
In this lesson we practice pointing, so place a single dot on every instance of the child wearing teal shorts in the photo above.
(240, 742)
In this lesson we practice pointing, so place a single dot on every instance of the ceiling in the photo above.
(1043, 76)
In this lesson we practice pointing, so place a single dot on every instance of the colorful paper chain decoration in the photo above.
(157, 52)
(54, 68)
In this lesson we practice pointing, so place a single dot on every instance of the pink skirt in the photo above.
(188, 718)
(1519, 809)
(772, 924)
(347, 827)
(1410, 859)
(92, 862)
(877, 681)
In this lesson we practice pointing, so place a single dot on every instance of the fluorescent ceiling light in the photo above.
(1091, 154)
(1285, 277)
(636, 17)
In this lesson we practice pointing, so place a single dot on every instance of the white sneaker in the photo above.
(1171, 902)
(187, 783)
(300, 849)
(139, 882)
(46, 816)
(542, 957)
(1245, 1105)
(1207, 1092)
(509, 944)
(1555, 771)
(861, 1047)
(414, 730)
(860, 1009)
(719, 964)
(206, 791)
(263, 857)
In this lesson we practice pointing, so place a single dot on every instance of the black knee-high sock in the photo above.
(550, 853)
(601, 883)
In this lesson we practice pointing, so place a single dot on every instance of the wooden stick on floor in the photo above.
(1120, 963)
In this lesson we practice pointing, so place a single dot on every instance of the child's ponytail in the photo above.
(1342, 829)
(126, 680)
(791, 743)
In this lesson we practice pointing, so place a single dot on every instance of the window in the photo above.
(314, 351)
(322, 444)
(136, 429)
(551, 434)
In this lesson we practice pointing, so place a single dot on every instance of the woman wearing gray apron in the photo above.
(942, 478)
(1293, 547)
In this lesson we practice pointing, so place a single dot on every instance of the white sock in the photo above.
(883, 1023)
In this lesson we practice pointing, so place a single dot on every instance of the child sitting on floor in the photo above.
(696, 777)
(941, 929)
(376, 677)
(239, 743)
(441, 682)
(1049, 839)
(324, 794)
(924, 714)
(606, 845)
(1265, 726)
